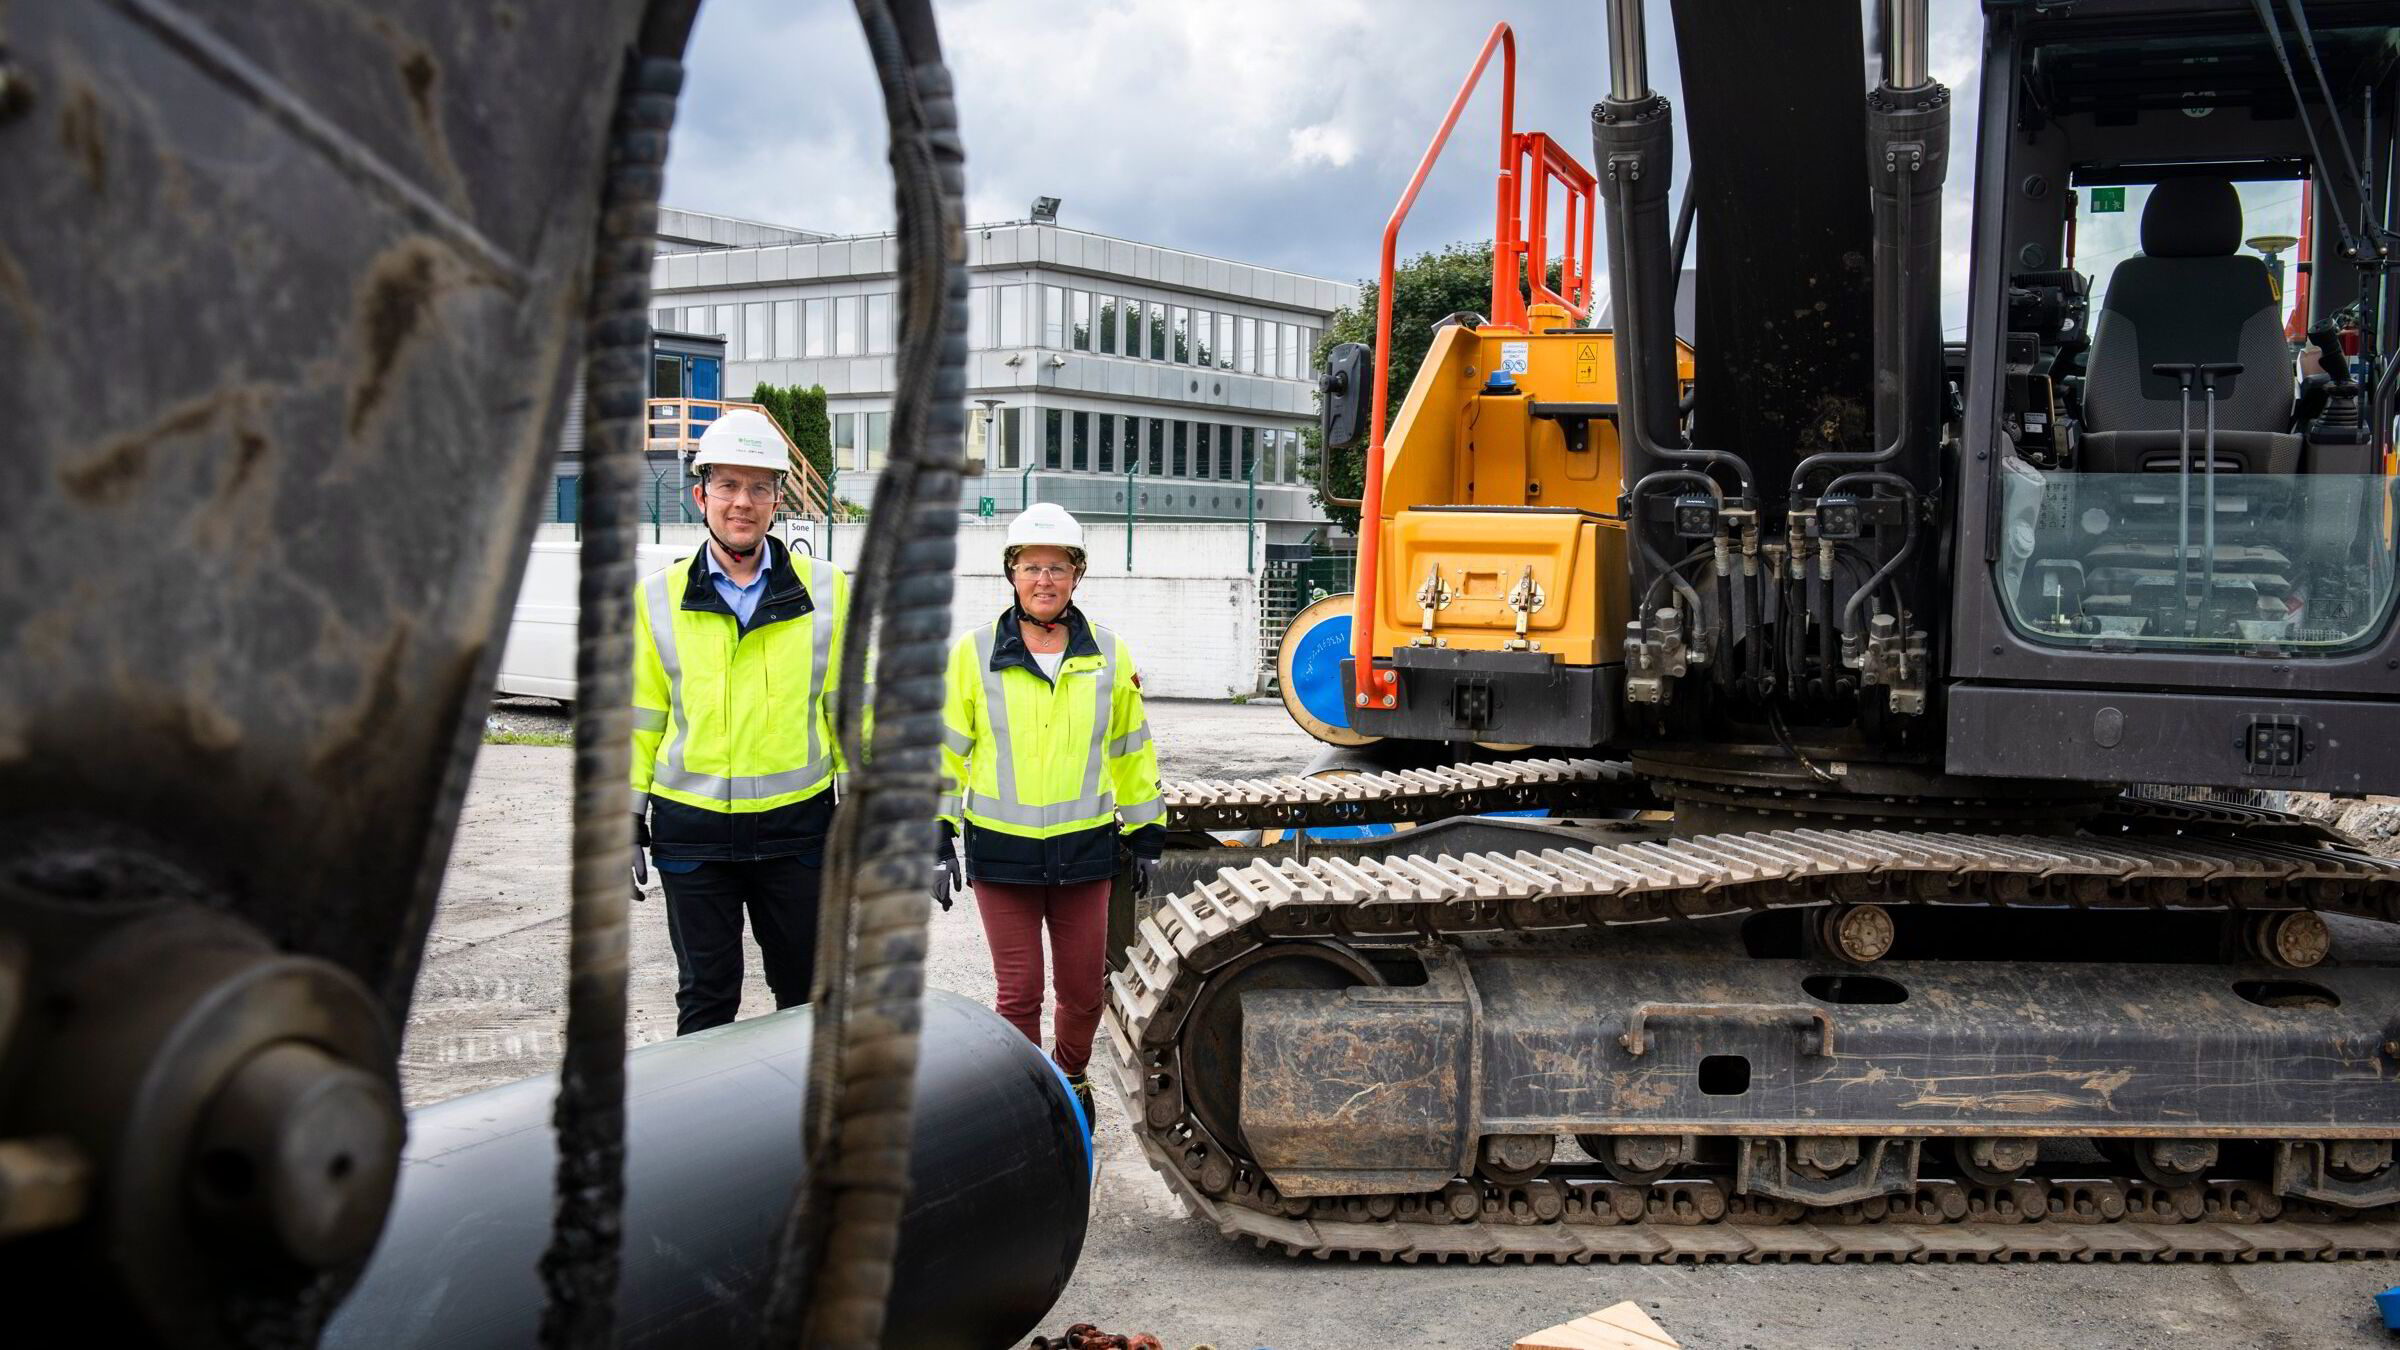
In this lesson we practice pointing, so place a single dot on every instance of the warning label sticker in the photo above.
(1587, 351)
(1587, 372)
(1515, 357)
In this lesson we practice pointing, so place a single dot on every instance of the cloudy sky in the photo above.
(1263, 130)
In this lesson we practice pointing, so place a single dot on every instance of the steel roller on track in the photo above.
(1405, 1003)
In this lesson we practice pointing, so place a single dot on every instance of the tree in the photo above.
(801, 413)
(1425, 290)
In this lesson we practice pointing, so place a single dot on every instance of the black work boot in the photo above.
(1083, 1095)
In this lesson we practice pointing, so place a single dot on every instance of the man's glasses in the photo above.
(1044, 571)
(725, 490)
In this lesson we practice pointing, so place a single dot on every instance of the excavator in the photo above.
(1907, 722)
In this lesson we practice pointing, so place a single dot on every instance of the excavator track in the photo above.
(2262, 861)
(1563, 787)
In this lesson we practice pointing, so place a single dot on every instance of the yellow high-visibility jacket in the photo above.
(734, 753)
(1050, 783)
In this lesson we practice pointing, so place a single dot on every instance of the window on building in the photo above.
(787, 329)
(1250, 463)
(1204, 347)
(845, 440)
(1107, 463)
(1179, 334)
(1012, 442)
(1054, 437)
(1309, 338)
(1054, 317)
(1181, 463)
(1158, 446)
(1160, 339)
(722, 322)
(979, 317)
(849, 325)
(879, 322)
(1291, 456)
(1246, 344)
(1107, 320)
(820, 327)
(879, 438)
(661, 318)
(666, 377)
(755, 341)
(1079, 427)
(1012, 317)
(1079, 317)
(1224, 342)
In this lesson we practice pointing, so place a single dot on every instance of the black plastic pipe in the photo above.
(999, 1168)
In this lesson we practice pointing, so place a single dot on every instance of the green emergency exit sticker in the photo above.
(2108, 199)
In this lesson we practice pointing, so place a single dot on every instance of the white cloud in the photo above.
(1325, 144)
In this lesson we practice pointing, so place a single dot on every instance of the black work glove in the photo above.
(1144, 869)
(948, 879)
(641, 845)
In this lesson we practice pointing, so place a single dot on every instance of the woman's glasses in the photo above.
(1044, 571)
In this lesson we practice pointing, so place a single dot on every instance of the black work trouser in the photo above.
(704, 921)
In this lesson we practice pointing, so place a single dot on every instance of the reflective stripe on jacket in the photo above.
(1049, 781)
(733, 745)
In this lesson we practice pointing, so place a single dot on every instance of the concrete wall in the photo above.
(1189, 606)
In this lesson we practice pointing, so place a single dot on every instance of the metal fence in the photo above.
(1285, 587)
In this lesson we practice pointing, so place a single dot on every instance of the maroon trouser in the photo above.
(1077, 915)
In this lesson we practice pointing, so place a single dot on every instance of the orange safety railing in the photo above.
(1529, 163)
(676, 424)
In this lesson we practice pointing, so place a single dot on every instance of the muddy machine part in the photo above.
(267, 513)
(1001, 1170)
(1870, 973)
(293, 298)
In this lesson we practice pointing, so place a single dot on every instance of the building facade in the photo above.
(1112, 377)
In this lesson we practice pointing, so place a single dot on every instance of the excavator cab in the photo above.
(2175, 549)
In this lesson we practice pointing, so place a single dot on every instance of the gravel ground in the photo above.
(488, 1011)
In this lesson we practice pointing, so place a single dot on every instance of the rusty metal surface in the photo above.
(288, 297)
(1564, 896)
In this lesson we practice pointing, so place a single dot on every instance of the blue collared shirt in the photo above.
(743, 599)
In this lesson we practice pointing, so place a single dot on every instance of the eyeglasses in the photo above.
(1045, 571)
(726, 490)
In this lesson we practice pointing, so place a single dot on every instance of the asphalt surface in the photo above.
(489, 1006)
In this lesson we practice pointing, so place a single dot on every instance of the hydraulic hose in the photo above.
(580, 1265)
(833, 1259)
(1908, 539)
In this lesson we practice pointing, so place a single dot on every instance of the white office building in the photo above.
(1116, 378)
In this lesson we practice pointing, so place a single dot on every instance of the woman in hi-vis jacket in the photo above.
(1050, 782)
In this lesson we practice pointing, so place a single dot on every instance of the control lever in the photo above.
(2208, 372)
(2328, 337)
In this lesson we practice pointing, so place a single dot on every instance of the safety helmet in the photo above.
(745, 438)
(1044, 523)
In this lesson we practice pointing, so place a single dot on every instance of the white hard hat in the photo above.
(745, 438)
(1045, 523)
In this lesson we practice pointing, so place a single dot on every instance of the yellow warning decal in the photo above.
(1587, 351)
(1587, 372)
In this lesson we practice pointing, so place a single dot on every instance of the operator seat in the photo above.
(2188, 297)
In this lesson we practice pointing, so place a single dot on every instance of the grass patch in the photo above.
(555, 739)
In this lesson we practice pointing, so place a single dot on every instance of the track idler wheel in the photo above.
(1638, 1159)
(1211, 1043)
(2358, 1159)
(1859, 934)
(1514, 1159)
(1994, 1160)
(2294, 939)
(2168, 1162)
